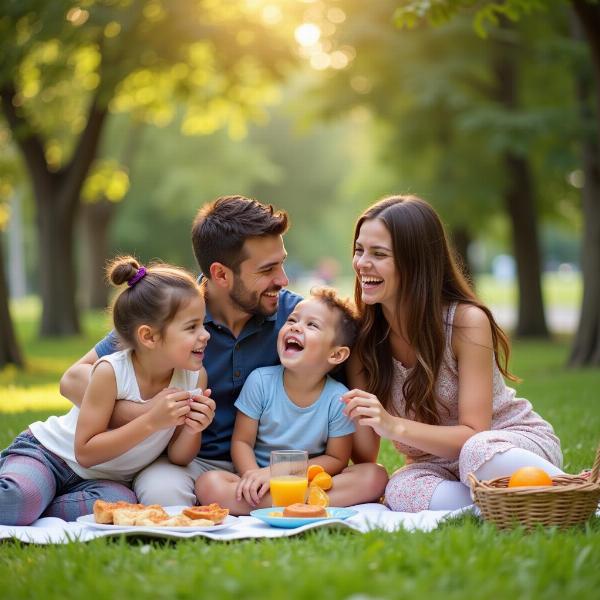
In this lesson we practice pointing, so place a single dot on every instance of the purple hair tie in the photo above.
(141, 273)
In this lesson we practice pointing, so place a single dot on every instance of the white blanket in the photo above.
(51, 530)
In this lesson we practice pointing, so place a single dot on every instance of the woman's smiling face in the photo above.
(374, 265)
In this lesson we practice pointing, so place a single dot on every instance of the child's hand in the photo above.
(169, 408)
(162, 393)
(202, 411)
(366, 409)
(253, 485)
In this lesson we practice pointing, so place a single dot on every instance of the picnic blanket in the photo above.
(50, 530)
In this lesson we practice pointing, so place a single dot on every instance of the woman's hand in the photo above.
(202, 412)
(253, 485)
(366, 409)
(169, 408)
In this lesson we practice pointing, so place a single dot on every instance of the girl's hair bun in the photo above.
(122, 269)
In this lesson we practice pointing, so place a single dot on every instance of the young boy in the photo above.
(294, 405)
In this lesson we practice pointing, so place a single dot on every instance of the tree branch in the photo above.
(74, 173)
(30, 144)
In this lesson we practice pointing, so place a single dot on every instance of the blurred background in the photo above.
(120, 118)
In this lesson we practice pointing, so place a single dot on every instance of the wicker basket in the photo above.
(571, 500)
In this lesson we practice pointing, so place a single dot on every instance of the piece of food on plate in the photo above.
(132, 516)
(304, 511)
(201, 523)
(175, 521)
(213, 512)
(103, 511)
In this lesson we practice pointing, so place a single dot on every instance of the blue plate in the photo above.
(266, 516)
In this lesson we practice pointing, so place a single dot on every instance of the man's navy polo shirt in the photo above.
(228, 361)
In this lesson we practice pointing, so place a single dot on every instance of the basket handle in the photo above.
(596, 468)
(473, 481)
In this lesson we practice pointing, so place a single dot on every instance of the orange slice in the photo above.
(323, 480)
(317, 496)
(314, 470)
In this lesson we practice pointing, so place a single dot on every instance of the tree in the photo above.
(103, 191)
(10, 352)
(460, 121)
(67, 64)
(586, 345)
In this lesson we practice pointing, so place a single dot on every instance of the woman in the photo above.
(428, 366)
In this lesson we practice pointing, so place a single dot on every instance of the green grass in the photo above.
(558, 289)
(460, 560)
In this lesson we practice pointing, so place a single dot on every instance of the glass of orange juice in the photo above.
(288, 480)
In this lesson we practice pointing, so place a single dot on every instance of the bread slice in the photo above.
(133, 516)
(213, 512)
(103, 511)
(154, 515)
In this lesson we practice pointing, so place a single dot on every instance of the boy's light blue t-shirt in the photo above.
(282, 425)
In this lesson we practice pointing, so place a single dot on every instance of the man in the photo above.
(238, 243)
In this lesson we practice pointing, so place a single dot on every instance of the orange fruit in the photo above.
(323, 480)
(527, 476)
(317, 496)
(314, 470)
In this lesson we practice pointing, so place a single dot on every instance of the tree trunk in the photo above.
(10, 352)
(586, 345)
(96, 218)
(17, 276)
(461, 239)
(520, 204)
(57, 201)
(518, 198)
(56, 268)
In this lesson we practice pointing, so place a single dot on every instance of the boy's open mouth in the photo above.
(293, 344)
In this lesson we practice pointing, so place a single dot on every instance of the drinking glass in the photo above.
(289, 480)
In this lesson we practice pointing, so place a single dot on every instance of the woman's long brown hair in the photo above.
(430, 280)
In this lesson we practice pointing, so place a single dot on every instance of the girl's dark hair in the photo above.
(153, 299)
(430, 280)
(221, 228)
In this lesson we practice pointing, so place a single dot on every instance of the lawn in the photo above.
(460, 560)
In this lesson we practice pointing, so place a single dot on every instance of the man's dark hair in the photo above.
(221, 228)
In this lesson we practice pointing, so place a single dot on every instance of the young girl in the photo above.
(431, 359)
(61, 466)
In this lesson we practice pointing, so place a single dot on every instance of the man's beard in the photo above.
(249, 301)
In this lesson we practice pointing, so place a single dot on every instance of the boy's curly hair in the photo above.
(347, 323)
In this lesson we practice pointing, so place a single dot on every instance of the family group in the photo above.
(201, 379)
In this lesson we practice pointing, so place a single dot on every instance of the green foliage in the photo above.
(171, 176)
(137, 56)
(107, 179)
(410, 12)
(440, 128)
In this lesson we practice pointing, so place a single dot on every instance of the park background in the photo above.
(120, 118)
